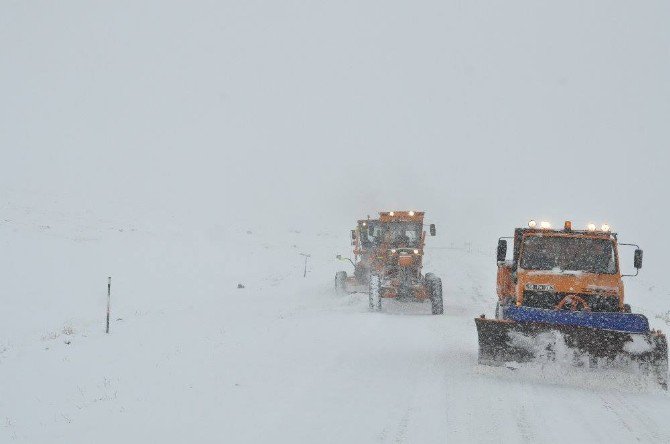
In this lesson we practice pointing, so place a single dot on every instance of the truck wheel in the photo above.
(375, 293)
(435, 290)
(341, 282)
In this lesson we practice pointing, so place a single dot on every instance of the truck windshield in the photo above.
(568, 254)
(402, 234)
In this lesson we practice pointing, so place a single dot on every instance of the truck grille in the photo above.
(546, 300)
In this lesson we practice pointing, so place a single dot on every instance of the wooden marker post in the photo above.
(306, 256)
(109, 297)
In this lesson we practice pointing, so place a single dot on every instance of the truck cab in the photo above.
(563, 269)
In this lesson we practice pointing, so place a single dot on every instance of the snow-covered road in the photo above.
(192, 358)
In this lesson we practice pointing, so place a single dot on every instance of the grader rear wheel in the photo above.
(341, 282)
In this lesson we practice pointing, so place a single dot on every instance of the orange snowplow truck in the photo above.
(396, 268)
(568, 283)
(364, 242)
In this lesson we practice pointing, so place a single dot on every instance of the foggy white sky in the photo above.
(481, 113)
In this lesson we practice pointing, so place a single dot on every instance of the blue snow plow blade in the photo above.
(624, 322)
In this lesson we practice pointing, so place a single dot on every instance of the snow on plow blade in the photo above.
(507, 340)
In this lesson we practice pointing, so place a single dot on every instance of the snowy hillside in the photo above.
(191, 357)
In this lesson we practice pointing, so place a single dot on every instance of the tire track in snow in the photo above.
(638, 423)
(523, 425)
(401, 432)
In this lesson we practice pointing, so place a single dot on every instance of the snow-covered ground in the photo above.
(192, 358)
(183, 148)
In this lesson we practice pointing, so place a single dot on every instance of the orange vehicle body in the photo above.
(606, 290)
(364, 255)
(561, 298)
(389, 260)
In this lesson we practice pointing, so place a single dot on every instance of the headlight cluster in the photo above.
(410, 213)
(544, 224)
(394, 251)
(568, 226)
(604, 227)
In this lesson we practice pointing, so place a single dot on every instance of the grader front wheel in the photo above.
(435, 291)
(375, 293)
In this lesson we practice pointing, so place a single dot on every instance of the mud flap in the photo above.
(502, 341)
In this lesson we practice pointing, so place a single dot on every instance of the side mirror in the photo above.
(432, 229)
(353, 234)
(502, 250)
(637, 261)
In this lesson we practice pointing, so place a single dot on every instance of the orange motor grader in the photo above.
(365, 242)
(396, 268)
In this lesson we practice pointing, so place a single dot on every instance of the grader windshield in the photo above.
(558, 253)
(402, 234)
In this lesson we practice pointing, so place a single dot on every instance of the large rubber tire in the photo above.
(375, 293)
(341, 282)
(435, 291)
